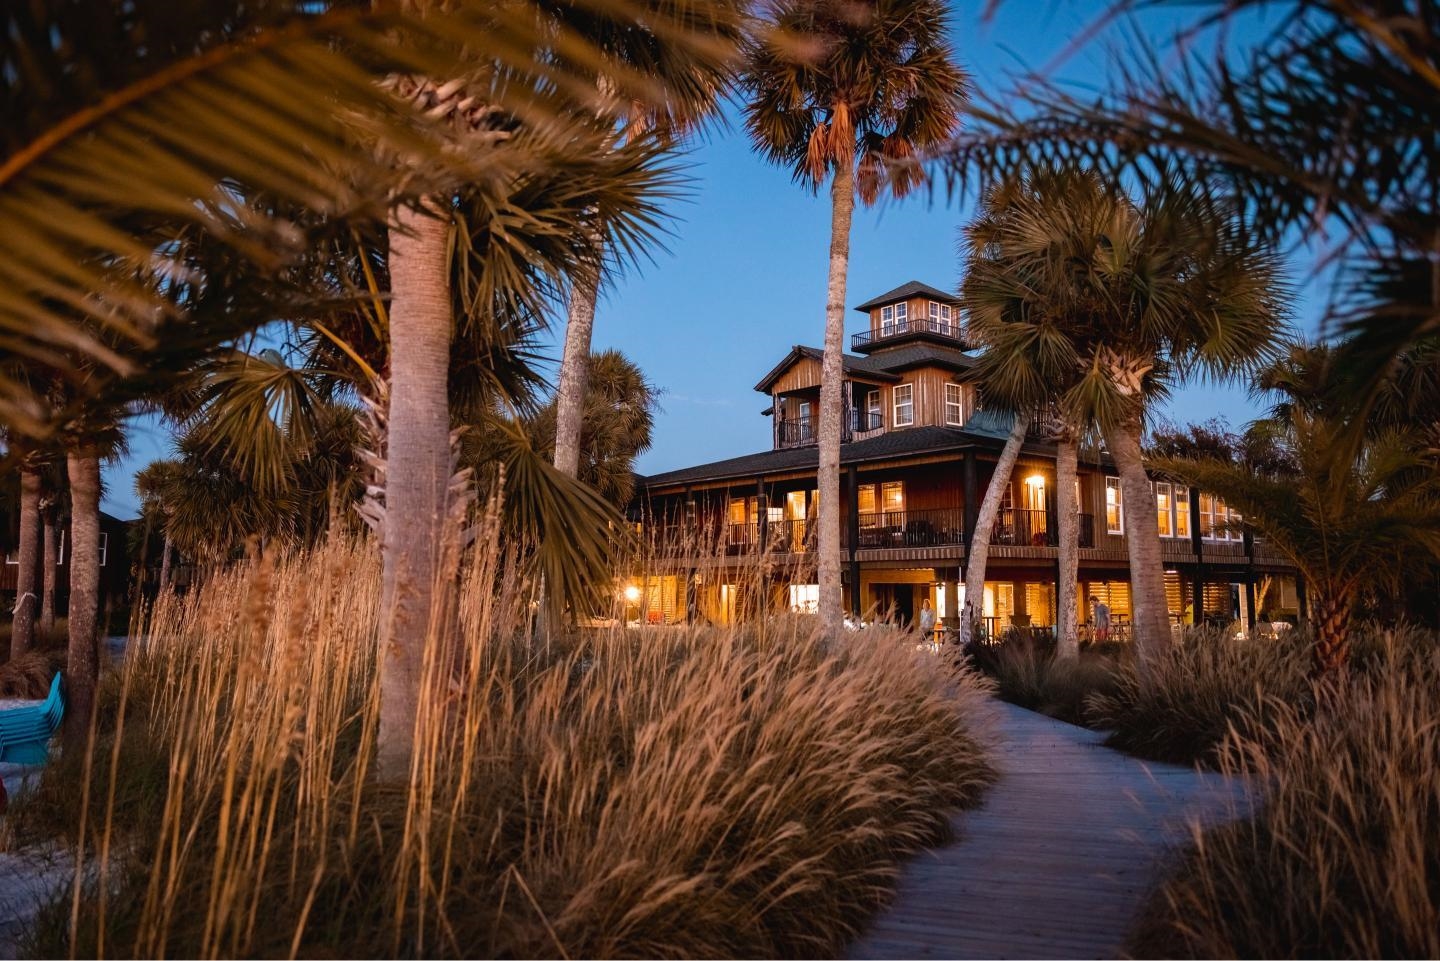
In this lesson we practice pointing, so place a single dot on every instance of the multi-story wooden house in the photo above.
(917, 456)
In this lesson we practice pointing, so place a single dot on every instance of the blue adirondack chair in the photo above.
(25, 732)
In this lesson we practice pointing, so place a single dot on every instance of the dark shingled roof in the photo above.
(914, 355)
(916, 440)
(905, 291)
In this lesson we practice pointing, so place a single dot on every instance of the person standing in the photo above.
(927, 621)
(1102, 620)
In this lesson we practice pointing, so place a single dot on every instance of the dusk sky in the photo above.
(742, 277)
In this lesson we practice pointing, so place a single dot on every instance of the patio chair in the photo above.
(25, 732)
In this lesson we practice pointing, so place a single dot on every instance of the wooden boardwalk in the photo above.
(1059, 859)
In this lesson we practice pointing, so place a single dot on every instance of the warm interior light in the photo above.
(632, 593)
(1035, 480)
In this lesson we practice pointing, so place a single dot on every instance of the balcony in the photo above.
(1033, 528)
(862, 421)
(931, 528)
(905, 328)
(800, 432)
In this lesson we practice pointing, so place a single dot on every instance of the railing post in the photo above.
(968, 480)
(852, 531)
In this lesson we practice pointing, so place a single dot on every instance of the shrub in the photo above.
(1205, 685)
(29, 675)
(1028, 673)
(740, 792)
(1341, 859)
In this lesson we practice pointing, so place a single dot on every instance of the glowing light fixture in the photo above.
(1035, 480)
(632, 593)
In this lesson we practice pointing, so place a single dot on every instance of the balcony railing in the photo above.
(931, 528)
(1033, 528)
(863, 420)
(919, 326)
(799, 432)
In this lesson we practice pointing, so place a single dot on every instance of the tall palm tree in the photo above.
(1104, 303)
(27, 599)
(692, 86)
(853, 92)
(1321, 126)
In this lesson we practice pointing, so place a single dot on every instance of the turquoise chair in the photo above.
(25, 732)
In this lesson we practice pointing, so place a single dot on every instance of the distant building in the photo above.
(916, 459)
(114, 562)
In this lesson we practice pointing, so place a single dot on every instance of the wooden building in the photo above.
(916, 459)
(114, 562)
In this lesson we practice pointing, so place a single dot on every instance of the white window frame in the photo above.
(1112, 484)
(1164, 517)
(940, 312)
(958, 420)
(887, 319)
(902, 314)
(104, 548)
(908, 405)
(1182, 511)
(872, 406)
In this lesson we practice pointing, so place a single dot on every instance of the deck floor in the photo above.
(1069, 842)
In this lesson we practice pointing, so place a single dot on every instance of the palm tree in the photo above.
(1341, 523)
(619, 416)
(155, 485)
(1107, 302)
(855, 92)
(1322, 127)
(22, 624)
(692, 85)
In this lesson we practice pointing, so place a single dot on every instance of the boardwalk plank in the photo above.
(1060, 858)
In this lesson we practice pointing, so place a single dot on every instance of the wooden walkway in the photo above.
(1057, 862)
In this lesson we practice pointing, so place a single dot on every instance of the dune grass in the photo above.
(677, 792)
(1026, 672)
(1341, 858)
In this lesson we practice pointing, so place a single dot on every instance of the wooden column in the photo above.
(852, 533)
(1197, 544)
(762, 514)
(1302, 603)
(972, 507)
(1251, 616)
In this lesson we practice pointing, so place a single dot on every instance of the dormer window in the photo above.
(939, 315)
(894, 316)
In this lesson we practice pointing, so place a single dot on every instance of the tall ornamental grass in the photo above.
(1342, 858)
(664, 792)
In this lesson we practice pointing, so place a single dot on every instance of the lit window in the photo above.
(805, 598)
(892, 496)
(1182, 511)
(1114, 516)
(954, 404)
(1163, 509)
(904, 405)
(867, 498)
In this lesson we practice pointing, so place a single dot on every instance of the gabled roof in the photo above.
(848, 363)
(904, 292)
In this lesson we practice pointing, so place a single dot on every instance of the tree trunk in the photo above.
(165, 553)
(978, 554)
(1149, 615)
(82, 671)
(842, 205)
(574, 375)
(49, 569)
(22, 625)
(1331, 621)
(417, 470)
(1067, 630)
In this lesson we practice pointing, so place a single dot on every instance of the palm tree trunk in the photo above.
(1331, 619)
(978, 554)
(574, 375)
(1142, 536)
(22, 625)
(417, 470)
(842, 205)
(82, 671)
(49, 563)
(1067, 457)
(165, 553)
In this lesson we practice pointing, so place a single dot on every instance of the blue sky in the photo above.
(742, 277)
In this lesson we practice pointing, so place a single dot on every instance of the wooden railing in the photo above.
(930, 528)
(917, 326)
(799, 432)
